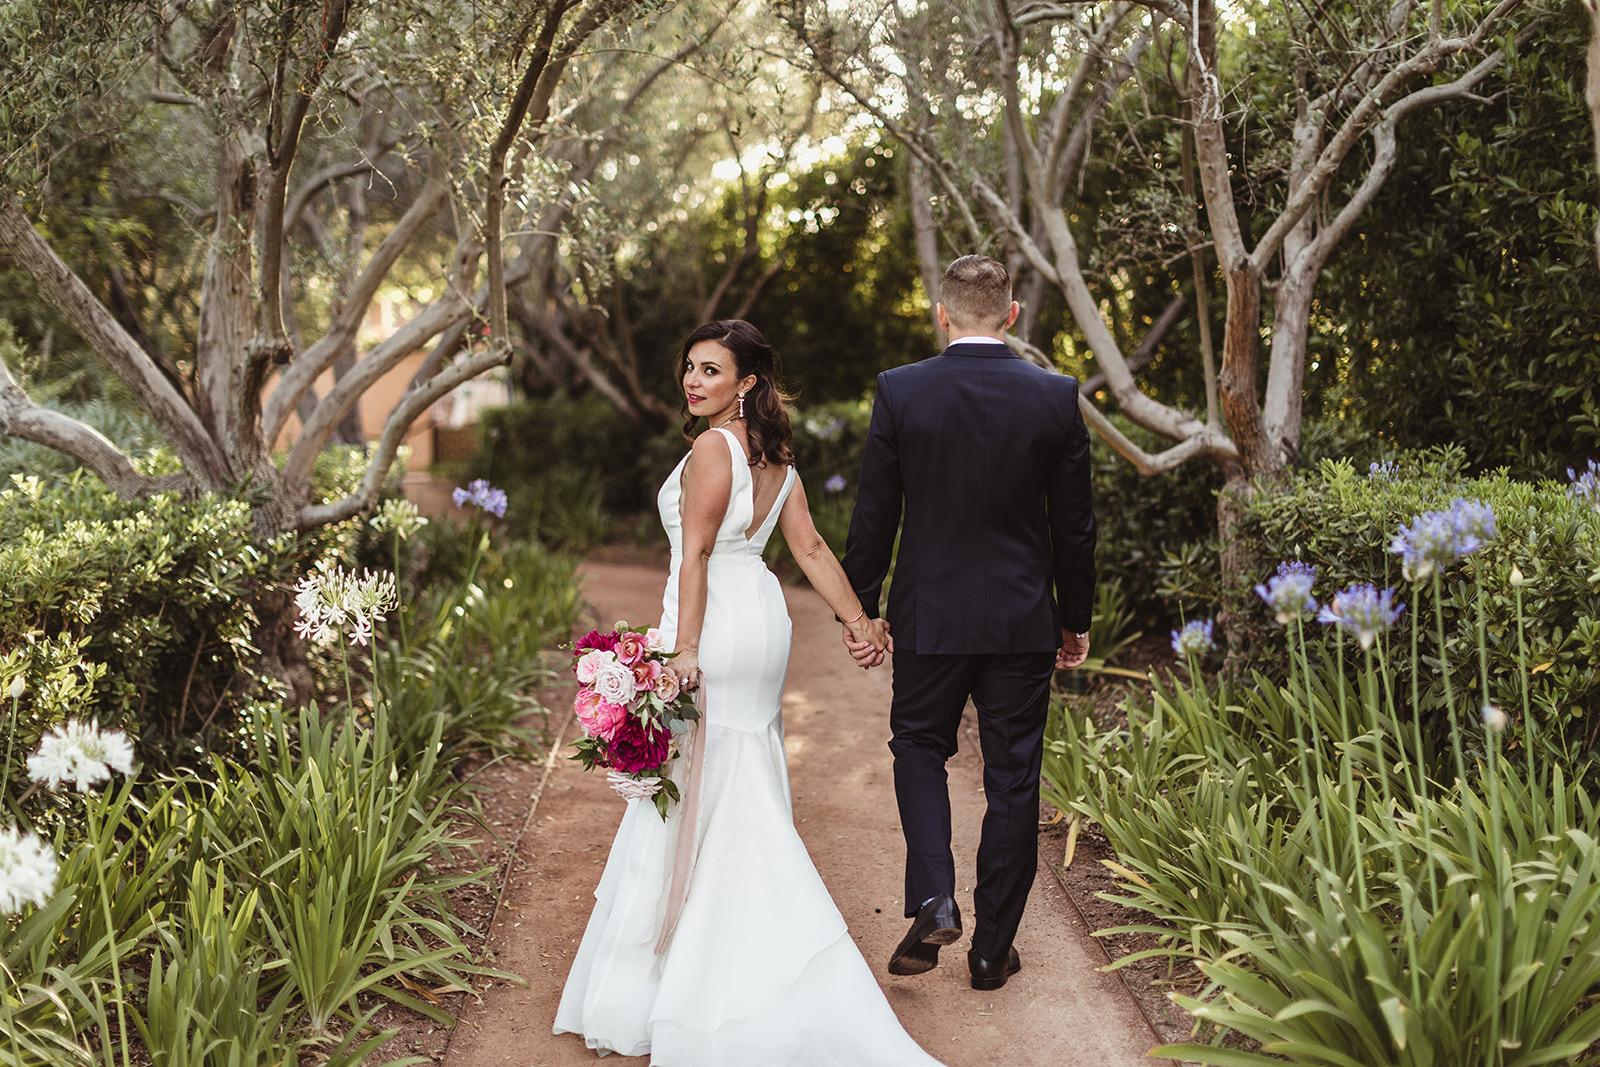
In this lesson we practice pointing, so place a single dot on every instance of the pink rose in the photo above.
(655, 641)
(667, 686)
(634, 747)
(645, 675)
(614, 682)
(589, 665)
(630, 649)
(597, 717)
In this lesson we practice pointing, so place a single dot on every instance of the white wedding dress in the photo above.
(760, 970)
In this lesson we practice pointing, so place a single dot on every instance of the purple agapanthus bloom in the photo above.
(1474, 523)
(1436, 539)
(1194, 639)
(480, 493)
(1364, 611)
(1383, 471)
(1288, 592)
(1585, 486)
(834, 484)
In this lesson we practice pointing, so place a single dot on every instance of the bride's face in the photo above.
(711, 382)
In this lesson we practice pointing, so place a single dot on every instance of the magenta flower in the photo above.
(635, 747)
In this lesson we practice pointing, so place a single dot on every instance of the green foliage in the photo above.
(1343, 520)
(1467, 316)
(469, 650)
(137, 613)
(570, 463)
(1145, 520)
(1348, 898)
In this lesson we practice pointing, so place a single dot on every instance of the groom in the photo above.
(981, 461)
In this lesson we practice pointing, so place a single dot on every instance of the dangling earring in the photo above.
(741, 405)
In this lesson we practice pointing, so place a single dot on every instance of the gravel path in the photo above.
(1059, 1011)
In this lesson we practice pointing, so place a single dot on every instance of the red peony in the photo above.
(596, 639)
(635, 748)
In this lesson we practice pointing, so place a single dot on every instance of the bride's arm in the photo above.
(707, 485)
(822, 570)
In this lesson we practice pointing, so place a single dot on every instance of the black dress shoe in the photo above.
(987, 975)
(938, 922)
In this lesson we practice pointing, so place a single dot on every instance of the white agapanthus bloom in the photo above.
(27, 871)
(400, 515)
(333, 599)
(81, 753)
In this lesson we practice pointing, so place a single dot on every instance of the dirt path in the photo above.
(1059, 1011)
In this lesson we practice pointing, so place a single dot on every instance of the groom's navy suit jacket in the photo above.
(991, 457)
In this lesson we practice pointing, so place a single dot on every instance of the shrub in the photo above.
(136, 613)
(1343, 520)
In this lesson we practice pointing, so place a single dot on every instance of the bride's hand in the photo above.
(874, 632)
(685, 664)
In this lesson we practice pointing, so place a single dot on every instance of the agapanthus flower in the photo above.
(1363, 610)
(330, 600)
(19, 685)
(1436, 539)
(27, 871)
(480, 493)
(400, 515)
(1194, 639)
(825, 431)
(1585, 486)
(1475, 525)
(834, 484)
(1383, 471)
(82, 753)
(1288, 592)
(1494, 719)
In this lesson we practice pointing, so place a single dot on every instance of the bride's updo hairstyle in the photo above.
(766, 421)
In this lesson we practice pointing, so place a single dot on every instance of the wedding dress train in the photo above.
(759, 970)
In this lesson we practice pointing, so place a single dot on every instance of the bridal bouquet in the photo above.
(631, 710)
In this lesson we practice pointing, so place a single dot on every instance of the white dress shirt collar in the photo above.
(978, 339)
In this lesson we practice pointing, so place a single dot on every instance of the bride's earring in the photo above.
(741, 405)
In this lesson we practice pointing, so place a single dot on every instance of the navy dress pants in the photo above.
(1012, 695)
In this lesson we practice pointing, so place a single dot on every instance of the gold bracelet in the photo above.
(860, 613)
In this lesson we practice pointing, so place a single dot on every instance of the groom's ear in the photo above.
(1011, 316)
(943, 318)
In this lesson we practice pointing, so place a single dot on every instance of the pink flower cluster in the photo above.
(625, 697)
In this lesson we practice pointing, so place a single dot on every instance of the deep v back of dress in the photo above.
(759, 967)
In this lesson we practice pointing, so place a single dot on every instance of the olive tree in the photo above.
(1001, 104)
(273, 110)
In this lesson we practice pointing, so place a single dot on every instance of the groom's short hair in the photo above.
(976, 292)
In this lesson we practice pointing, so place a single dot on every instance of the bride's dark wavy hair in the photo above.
(766, 420)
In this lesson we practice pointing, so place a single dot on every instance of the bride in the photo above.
(746, 961)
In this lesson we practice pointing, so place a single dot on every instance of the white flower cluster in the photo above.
(78, 752)
(81, 753)
(333, 599)
(27, 871)
(400, 515)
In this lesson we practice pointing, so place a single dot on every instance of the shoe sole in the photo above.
(923, 956)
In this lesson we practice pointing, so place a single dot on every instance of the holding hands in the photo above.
(867, 640)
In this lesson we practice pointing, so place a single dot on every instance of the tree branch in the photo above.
(411, 405)
(306, 367)
(65, 292)
(21, 417)
(271, 343)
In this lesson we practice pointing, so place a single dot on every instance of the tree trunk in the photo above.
(1239, 568)
(283, 652)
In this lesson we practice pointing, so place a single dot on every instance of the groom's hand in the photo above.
(1074, 650)
(865, 653)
